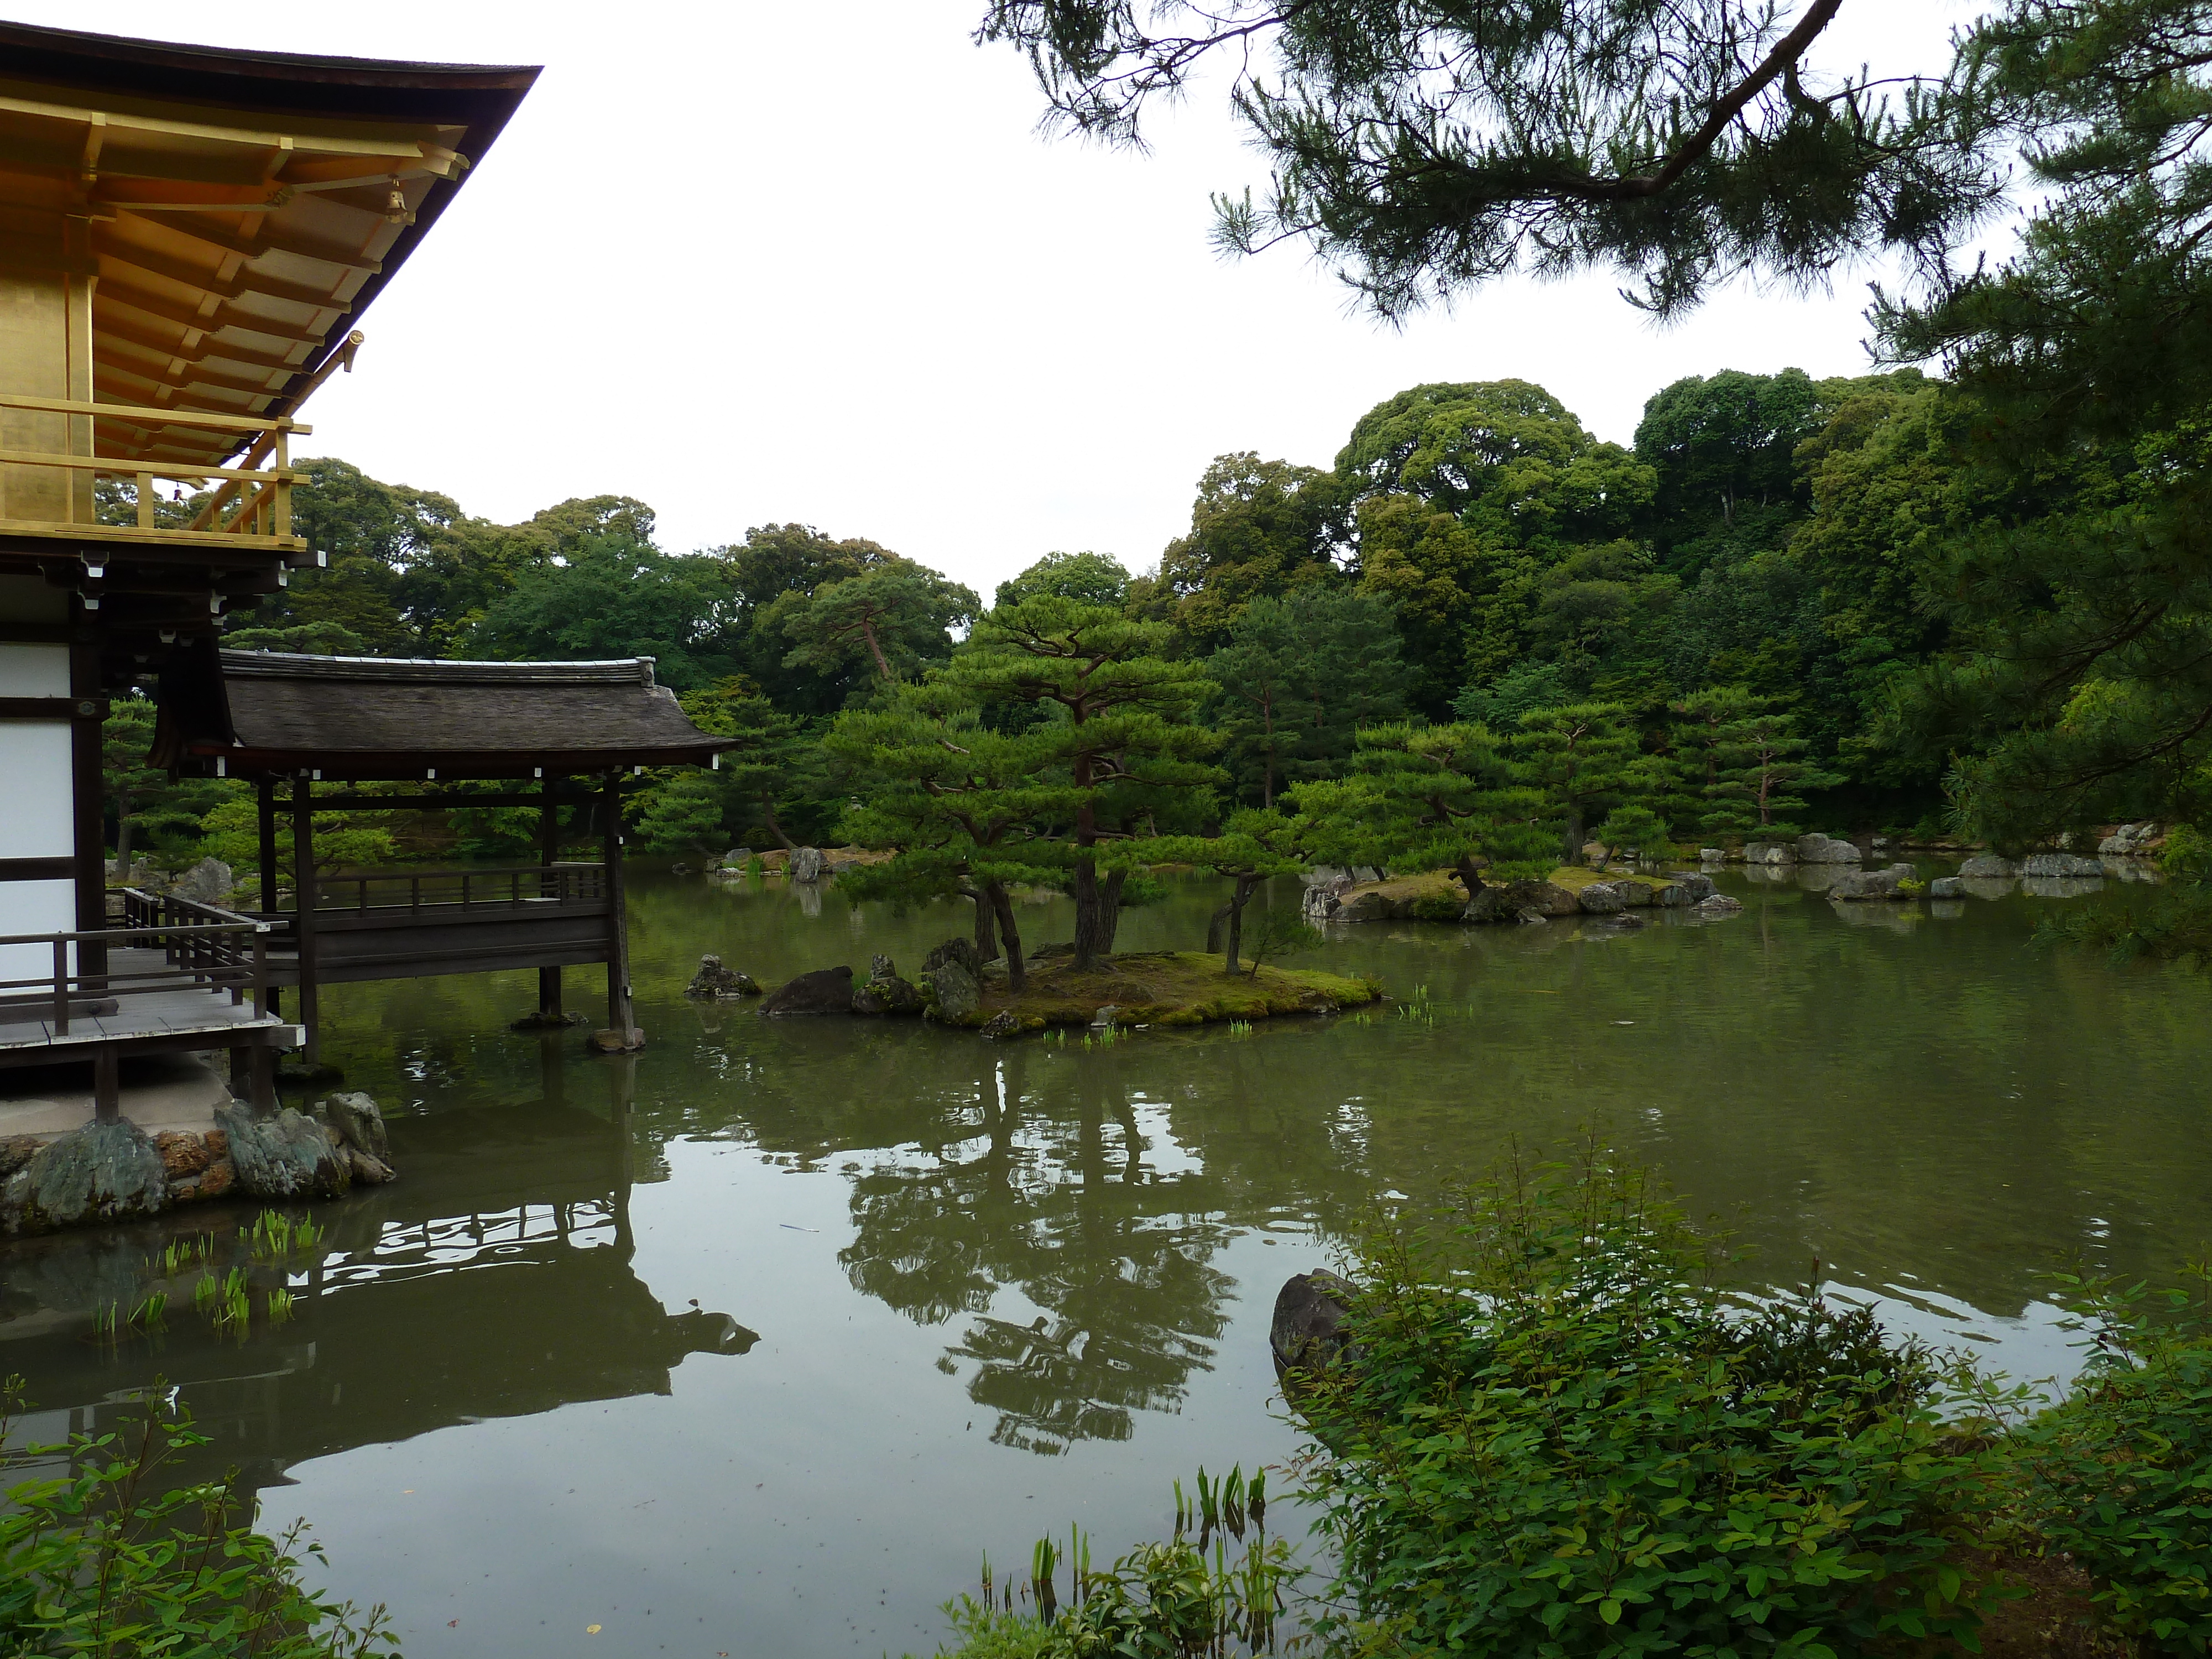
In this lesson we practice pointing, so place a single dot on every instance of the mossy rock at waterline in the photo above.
(1162, 988)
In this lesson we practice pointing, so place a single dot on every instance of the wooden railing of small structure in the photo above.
(441, 892)
(226, 953)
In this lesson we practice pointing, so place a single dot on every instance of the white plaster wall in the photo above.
(33, 670)
(35, 907)
(34, 791)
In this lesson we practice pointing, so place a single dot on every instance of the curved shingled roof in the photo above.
(275, 714)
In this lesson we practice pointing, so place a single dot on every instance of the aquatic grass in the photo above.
(1177, 1599)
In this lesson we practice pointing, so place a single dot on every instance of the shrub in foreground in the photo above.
(105, 1561)
(1558, 1438)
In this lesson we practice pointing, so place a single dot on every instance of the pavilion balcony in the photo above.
(406, 924)
(177, 976)
(58, 447)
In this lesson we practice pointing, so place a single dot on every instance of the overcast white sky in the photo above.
(753, 263)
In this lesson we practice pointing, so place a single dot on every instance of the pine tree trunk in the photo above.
(768, 816)
(987, 923)
(1573, 853)
(1110, 909)
(123, 838)
(1091, 943)
(1018, 971)
(868, 633)
(1234, 946)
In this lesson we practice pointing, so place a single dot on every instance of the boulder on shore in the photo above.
(952, 979)
(2129, 841)
(1519, 901)
(806, 864)
(1601, 898)
(283, 1155)
(1309, 1331)
(1691, 886)
(1769, 852)
(96, 1172)
(824, 991)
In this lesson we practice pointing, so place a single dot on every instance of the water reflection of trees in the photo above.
(1048, 1193)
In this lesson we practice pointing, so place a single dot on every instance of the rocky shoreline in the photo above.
(117, 1171)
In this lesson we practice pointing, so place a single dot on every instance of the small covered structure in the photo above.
(336, 733)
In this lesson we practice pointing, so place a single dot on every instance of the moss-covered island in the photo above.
(1158, 987)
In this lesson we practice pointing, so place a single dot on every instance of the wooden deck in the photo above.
(189, 1019)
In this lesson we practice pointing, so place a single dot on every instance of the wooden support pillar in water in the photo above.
(548, 854)
(622, 1032)
(303, 912)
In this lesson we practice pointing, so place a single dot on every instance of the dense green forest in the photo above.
(1757, 562)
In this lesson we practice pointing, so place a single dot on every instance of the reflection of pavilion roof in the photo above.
(427, 1310)
(271, 713)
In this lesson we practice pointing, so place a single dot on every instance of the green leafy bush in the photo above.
(1559, 1439)
(2119, 1475)
(104, 1561)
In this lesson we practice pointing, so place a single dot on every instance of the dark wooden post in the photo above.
(303, 913)
(267, 792)
(88, 794)
(106, 1084)
(618, 1002)
(548, 886)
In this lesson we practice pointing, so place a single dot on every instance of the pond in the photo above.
(753, 1343)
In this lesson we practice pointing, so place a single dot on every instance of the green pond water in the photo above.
(751, 1344)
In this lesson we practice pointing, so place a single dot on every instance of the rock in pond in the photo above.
(1988, 867)
(824, 991)
(806, 864)
(885, 992)
(952, 978)
(283, 1155)
(1691, 884)
(355, 1124)
(1601, 898)
(208, 882)
(1948, 887)
(1872, 884)
(1826, 849)
(2061, 864)
(1308, 1331)
(97, 1172)
(1516, 901)
(717, 983)
(1720, 904)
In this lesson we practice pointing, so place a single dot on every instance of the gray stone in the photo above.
(715, 982)
(1323, 875)
(953, 992)
(1322, 899)
(2060, 864)
(283, 1155)
(1988, 867)
(16, 1151)
(1769, 852)
(208, 882)
(962, 948)
(885, 992)
(1691, 884)
(1600, 898)
(1711, 855)
(806, 864)
(97, 1172)
(1871, 884)
(1109, 1014)
(1309, 1330)
(1004, 1024)
(2129, 841)
(1826, 849)
(737, 857)
(1720, 904)
(824, 991)
(1948, 887)
(1520, 900)
(355, 1119)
